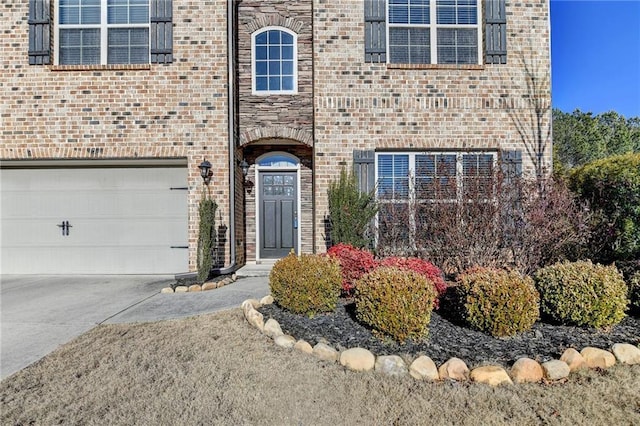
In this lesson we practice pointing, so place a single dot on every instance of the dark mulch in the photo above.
(447, 339)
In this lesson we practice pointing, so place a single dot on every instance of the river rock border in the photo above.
(524, 370)
(209, 285)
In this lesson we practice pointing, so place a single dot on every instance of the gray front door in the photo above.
(278, 214)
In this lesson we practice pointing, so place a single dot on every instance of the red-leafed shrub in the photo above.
(427, 269)
(354, 263)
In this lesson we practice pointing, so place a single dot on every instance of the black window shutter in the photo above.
(39, 32)
(375, 31)
(511, 163)
(161, 31)
(495, 32)
(364, 169)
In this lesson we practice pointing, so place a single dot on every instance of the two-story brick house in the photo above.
(109, 106)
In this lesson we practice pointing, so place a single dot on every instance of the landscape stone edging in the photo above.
(209, 285)
(423, 368)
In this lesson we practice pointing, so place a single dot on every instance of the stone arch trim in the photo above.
(274, 20)
(258, 133)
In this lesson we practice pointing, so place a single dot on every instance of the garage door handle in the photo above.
(65, 227)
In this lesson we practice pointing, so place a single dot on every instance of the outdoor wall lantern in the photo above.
(247, 183)
(205, 171)
(244, 166)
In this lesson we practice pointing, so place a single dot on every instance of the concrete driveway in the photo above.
(40, 313)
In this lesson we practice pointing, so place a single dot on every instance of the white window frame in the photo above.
(253, 62)
(103, 26)
(411, 199)
(433, 27)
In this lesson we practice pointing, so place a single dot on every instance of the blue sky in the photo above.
(595, 56)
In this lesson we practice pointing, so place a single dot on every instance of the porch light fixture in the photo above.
(244, 166)
(205, 171)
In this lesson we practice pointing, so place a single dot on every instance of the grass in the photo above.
(215, 369)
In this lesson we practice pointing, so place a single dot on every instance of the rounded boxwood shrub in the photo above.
(634, 294)
(582, 294)
(306, 284)
(430, 272)
(496, 301)
(395, 302)
(354, 263)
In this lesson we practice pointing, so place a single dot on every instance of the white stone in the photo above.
(285, 341)
(492, 375)
(325, 352)
(357, 359)
(556, 370)
(182, 289)
(166, 290)
(454, 369)
(195, 288)
(391, 365)
(598, 358)
(527, 370)
(267, 300)
(626, 353)
(574, 360)
(303, 346)
(209, 286)
(423, 368)
(272, 328)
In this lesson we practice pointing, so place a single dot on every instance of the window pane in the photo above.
(128, 46)
(274, 37)
(287, 52)
(409, 45)
(457, 12)
(287, 83)
(274, 83)
(261, 52)
(79, 46)
(261, 83)
(409, 12)
(274, 68)
(287, 38)
(261, 38)
(457, 46)
(274, 52)
(287, 68)
(261, 67)
(393, 176)
(128, 11)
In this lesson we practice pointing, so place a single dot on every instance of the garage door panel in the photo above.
(123, 220)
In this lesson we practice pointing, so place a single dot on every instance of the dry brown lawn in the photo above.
(215, 369)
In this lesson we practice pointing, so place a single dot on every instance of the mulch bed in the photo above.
(447, 339)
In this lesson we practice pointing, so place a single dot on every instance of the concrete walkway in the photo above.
(40, 313)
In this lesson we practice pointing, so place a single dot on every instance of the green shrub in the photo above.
(611, 186)
(206, 238)
(306, 284)
(582, 294)
(395, 302)
(495, 301)
(634, 294)
(350, 211)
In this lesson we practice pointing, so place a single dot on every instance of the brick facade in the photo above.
(180, 110)
(363, 106)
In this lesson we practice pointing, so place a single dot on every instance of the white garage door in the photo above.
(94, 220)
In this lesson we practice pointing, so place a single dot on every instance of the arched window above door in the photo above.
(278, 160)
(274, 61)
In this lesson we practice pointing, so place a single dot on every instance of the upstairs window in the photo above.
(103, 32)
(434, 31)
(274, 61)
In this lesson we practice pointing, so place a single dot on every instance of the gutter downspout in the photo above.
(231, 110)
(231, 130)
